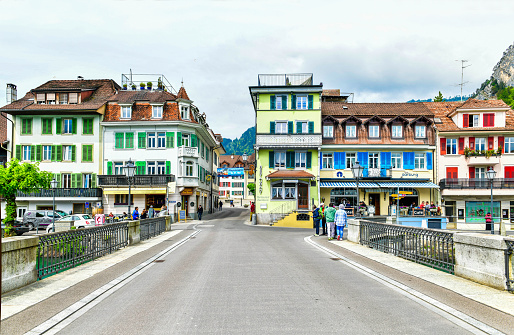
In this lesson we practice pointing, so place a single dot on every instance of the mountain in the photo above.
(455, 98)
(501, 83)
(242, 145)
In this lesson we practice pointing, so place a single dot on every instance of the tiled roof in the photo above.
(331, 92)
(182, 94)
(481, 104)
(130, 97)
(231, 160)
(79, 84)
(338, 108)
(290, 174)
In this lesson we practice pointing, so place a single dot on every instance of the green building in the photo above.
(287, 146)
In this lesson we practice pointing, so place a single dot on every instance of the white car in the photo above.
(79, 221)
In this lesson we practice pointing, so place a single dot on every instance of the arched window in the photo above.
(189, 169)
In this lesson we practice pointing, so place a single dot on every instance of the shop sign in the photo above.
(231, 172)
(187, 191)
(418, 212)
(409, 175)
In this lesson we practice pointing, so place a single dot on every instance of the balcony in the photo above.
(475, 183)
(187, 181)
(288, 140)
(138, 180)
(377, 173)
(64, 193)
(188, 152)
(483, 160)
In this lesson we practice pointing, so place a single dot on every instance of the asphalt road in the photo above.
(232, 278)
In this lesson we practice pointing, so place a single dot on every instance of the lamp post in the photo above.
(357, 170)
(129, 172)
(490, 175)
(53, 184)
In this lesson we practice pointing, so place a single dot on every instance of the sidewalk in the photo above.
(500, 300)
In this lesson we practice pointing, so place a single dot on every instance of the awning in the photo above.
(347, 184)
(414, 184)
(138, 190)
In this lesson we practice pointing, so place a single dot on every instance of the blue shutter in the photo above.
(429, 161)
(339, 160)
(309, 160)
(362, 157)
(408, 160)
(271, 159)
(343, 160)
(311, 127)
(320, 160)
(290, 126)
(293, 101)
(298, 127)
(310, 101)
(272, 127)
(272, 102)
(385, 160)
(284, 102)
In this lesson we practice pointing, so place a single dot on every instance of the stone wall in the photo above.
(19, 256)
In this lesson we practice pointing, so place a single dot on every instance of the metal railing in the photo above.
(295, 79)
(377, 173)
(282, 210)
(64, 250)
(475, 183)
(138, 180)
(64, 193)
(152, 227)
(508, 264)
(430, 247)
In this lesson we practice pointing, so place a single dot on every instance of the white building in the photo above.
(236, 172)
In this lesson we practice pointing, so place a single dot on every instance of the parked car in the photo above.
(41, 218)
(79, 221)
(19, 227)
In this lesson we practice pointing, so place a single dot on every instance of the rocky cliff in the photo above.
(502, 77)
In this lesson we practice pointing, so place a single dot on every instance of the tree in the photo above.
(439, 97)
(251, 187)
(14, 177)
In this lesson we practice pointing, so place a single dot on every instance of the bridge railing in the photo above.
(152, 227)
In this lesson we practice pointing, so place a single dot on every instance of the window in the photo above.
(118, 168)
(161, 168)
(150, 168)
(509, 145)
(122, 199)
(63, 98)
(26, 152)
(480, 172)
(281, 127)
(373, 160)
(126, 112)
(119, 140)
(87, 126)
(67, 151)
(50, 98)
(66, 180)
(396, 160)
(278, 102)
(374, 131)
(290, 191)
(161, 140)
(184, 112)
(157, 112)
(74, 98)
(420, 131)
(202, 151)
(189, 169)
(47, 152)
(419, 161)
(351, 131)
(480, 143)
(451, 146)
(185, 140)
(280, 159)
(68, 126)
(300, 159)
(87, 179)
(129, 140)
(46, 126)
(397, 131)
(301, 102)
(351, 157)
(238, 184)
(26, 126)
(328, 161)
(87, 152)
(473, 120)
(328, 131)
(489, 120)
(152, 140)
(276, 192)
(302, 127)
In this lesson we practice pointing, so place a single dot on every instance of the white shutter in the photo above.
(74, 98)
(40, 97)
(50, 96)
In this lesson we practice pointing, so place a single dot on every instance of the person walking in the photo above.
(135, 214)
(151, 212)
(144, 214)
(330, 214)
(221, 206)
(340, 218)
(315, 218)
(488, 221)
(322, 218)
(200, 212)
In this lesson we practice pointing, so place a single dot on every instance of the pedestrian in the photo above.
(252, 208)
(144, 214)
(200, 212)
(135, 214)
(330, 214)
(340, 218)
(315, 218)
(488, 221)
(151, 212)
(221, 206)
(323, 220)
(231, 203)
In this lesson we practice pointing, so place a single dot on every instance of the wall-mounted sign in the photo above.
(409, 175)
(231, 172)
(339, 174)
(187, 191)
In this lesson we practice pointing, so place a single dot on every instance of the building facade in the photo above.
(473, 137)
(288, 141)
(235, 173)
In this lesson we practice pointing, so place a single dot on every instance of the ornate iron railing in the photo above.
(430, 247)
(64, 250)
(152, 227)
(64, 193)
(475, 183)
(138, 180)
(509, 260)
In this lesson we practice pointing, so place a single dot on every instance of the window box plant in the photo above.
(142, 86)
(149, 85)
(133, 87)
(125, 87)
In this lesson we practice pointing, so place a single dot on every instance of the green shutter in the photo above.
(311, 127)
(53, 153)
(290, 127)
(79, 180)
(290, 159)
(298, 127)
(74, 125)
(293, 101)
(39, 149)
(141, 167)
(58, 154)
(271, 159)
(58, 126)
(109, 168)
(57, 177)
(168, 167)
(84, 153)
(179, 139)
(129, 140)
(119, 139)
(309, 160)
(272, 127)
(74, 180)
(73, 152)
(141, 140)
(207, 154)
(310, 101)
(284, 102)
(32, 153)
(169, 139)
(194, 141)
(93, 180)
(272, 102)
(87, 153)
(18, 152)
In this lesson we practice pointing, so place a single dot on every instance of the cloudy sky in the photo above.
(382, 51)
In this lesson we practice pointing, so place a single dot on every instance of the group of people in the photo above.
(429, 209)
(146, 213)
(331, 220)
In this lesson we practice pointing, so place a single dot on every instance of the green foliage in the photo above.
(14, 177)
(487, 153)
(251, 187)
(439, 97)
(507, 95)
(242, 145)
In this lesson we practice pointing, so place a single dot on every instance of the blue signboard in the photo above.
(231, 172)
(182, 216)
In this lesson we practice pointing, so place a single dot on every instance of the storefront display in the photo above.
(477, 210)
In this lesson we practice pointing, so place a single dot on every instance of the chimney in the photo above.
(80, 78)
(11, 93)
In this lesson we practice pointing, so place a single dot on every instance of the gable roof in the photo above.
(398, 118)
(231, 160)
(337, 108)
(126, 97)
(483, 104)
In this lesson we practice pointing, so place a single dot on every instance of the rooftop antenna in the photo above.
(131, 82)
(462, 83)
(182, 82)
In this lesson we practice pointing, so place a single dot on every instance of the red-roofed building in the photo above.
(234, 174)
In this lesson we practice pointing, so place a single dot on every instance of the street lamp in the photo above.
(490, 175)
(129, 172)
(357, 170)
(53, 184)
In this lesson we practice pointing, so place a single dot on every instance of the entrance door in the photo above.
(303, 196)
(374, 200)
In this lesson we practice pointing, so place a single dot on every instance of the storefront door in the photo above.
(374, 200)
(303, 196)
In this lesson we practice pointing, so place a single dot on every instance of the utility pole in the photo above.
(462, 83)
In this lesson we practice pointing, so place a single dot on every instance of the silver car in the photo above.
(40, 218)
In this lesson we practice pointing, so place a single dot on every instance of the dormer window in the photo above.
(74, 98)
(156, 112)
(374, 131)
(63, 98)
(328, 131)
(126, 112)
(184, 112)
(50, 98)
(397, 131)
(420, 131)
(351, 131)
